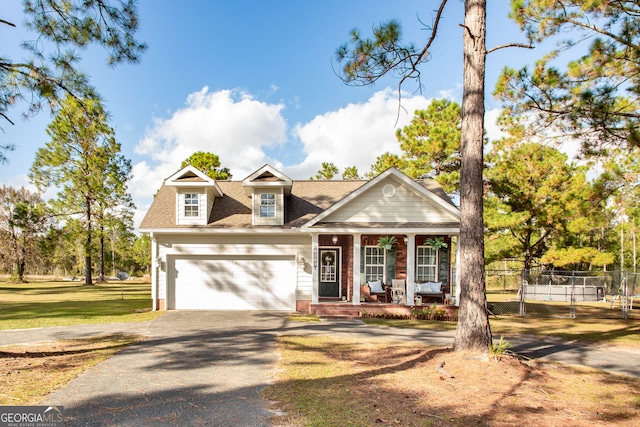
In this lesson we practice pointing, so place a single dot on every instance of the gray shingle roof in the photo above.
(233, 210)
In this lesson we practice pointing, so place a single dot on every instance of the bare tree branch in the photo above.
(504, 46)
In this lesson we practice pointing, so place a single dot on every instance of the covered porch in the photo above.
(346, 267)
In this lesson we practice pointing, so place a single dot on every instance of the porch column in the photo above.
(356, 270)
(314, 270)
(411, 267)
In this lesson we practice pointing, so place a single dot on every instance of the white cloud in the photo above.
(492, 130)
(354, 135)
(229, 123)
(238, 128)
(18, 181)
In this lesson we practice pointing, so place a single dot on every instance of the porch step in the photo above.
(338, 313)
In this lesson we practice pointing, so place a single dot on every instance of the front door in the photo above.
(329, 273)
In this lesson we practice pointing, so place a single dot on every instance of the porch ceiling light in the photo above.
(334, 239)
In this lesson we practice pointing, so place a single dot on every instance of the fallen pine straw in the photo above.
(326, 381)
(29, 372)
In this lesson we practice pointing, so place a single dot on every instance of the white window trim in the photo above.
(269, 202)
(435, 265)
(191, 205)
(384, 264)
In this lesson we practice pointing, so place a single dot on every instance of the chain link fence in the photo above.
(553, 293)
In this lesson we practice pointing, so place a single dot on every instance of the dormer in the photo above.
(195, 195)
(267, 188)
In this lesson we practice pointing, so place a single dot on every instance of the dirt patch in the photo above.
(29, 372)
(397, 384)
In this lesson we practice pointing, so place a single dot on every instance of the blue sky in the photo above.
(254, 82)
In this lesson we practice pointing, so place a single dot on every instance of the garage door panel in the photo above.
(189, 275)
(226, 284)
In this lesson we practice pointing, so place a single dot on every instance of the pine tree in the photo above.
(83, 161)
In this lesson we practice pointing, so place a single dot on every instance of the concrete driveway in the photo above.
(197, 368)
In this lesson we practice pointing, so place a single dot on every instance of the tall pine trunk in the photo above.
(473, 331)
(101, 275)
(88, 280)
(18, 264)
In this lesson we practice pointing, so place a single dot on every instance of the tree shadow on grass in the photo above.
(84, 346)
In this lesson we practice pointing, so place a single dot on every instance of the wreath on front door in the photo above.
(329, 258)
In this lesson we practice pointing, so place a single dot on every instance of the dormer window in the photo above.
(191, 205)
(195, 195)
(267, 206)
(267, 188)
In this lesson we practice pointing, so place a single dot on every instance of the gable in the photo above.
(391, 201)
(190, 176)
(267, 177)
(382, 203)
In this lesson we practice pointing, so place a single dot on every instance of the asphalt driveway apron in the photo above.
(196, 368)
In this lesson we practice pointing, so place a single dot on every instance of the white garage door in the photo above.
(238, 284)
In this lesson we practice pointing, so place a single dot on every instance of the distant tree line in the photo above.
(92, 211)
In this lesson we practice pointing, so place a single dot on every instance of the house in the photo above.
(271, 243)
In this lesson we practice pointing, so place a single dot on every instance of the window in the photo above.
(373, 263)
(267, 206)
(426, 264)
(191, 205)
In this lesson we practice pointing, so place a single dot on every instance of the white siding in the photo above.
(388, 201)
(303, 271)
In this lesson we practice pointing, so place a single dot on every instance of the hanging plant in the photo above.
(387, 242)
(435, 242)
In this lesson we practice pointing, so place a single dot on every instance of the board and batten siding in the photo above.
(388, 201)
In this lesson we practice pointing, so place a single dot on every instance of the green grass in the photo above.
(622, 332)
(496, 295)
(51, 303)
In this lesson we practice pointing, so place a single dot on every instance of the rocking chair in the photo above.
(397, 290)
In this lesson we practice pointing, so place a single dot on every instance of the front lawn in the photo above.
(51, 303)
(621, 332)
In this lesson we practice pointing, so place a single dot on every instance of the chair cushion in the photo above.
(376, 286)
